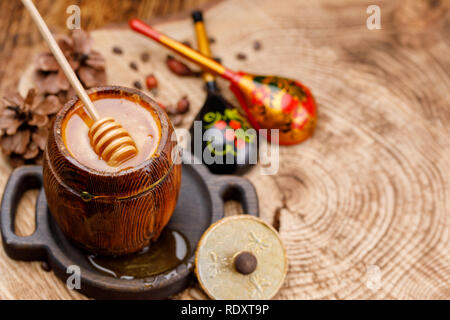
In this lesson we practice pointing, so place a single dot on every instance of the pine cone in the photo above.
(24, 126)
(89, 65)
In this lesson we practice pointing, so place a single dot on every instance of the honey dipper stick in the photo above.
(108, 138)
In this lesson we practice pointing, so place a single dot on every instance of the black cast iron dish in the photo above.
(200, 203)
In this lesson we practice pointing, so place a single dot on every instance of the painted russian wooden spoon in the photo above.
(232, 140)
(108, 138)
(270, 102)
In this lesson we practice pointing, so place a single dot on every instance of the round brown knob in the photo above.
(245, 262)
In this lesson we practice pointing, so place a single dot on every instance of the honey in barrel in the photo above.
(138, 120)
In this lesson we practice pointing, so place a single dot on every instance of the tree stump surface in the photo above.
(362, 206)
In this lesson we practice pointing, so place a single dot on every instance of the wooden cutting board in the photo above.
(362, 206)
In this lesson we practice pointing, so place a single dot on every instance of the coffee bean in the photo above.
(145, 56)
(241, 56)
(133, 66)
(257, 45)
(117, 50)
(137, 85)
(183, 105)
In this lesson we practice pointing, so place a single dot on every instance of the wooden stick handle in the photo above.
(202, 41)
(61, 59)
(194, 56)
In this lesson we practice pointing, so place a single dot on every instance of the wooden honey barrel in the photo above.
(117, 212)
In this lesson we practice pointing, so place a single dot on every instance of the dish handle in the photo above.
(239, 189)
(32, 247)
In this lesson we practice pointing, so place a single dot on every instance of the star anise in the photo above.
(24, 125)
(87, 63)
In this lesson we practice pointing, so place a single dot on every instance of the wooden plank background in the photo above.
(370, 191)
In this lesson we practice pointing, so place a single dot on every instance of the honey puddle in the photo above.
(170, 250)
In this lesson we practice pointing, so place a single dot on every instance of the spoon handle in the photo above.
(202, 42)
(194, 56)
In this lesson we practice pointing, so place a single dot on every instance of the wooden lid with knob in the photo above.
(240, 257)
